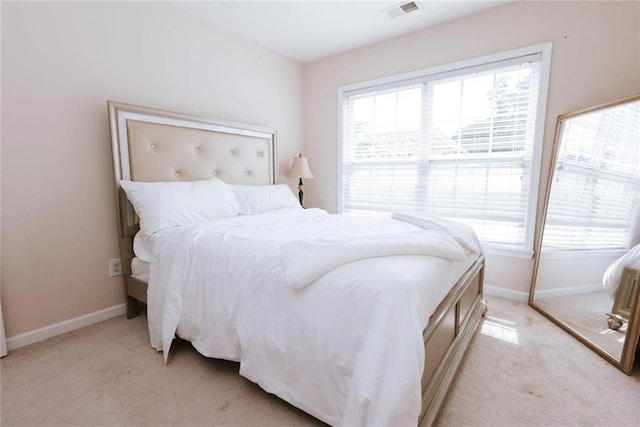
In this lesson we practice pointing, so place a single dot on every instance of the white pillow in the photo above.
(162, 205)
(141, 247)
(254, 199)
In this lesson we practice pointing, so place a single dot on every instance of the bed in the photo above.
(335, 340)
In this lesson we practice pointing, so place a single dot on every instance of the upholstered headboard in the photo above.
(156, 145)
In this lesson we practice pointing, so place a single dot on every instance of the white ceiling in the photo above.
(307, 30)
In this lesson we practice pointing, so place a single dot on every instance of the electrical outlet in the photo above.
(115, 267)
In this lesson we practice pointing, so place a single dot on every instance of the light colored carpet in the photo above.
(520, 370)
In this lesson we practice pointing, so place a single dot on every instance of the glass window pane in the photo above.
(459, 147)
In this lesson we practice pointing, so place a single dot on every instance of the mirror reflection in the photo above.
(588, 257)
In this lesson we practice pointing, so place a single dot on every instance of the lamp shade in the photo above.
(300, 168)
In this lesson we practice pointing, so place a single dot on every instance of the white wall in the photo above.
(596, 59)
(61, 62)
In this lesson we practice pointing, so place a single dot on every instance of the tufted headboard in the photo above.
(155, 145)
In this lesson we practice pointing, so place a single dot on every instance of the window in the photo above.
(595, 200)
(462, 143)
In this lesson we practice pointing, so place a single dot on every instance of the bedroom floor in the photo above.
(520, 370)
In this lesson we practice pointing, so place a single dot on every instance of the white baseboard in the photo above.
(60, 328)
(506, 293)
(551, 293)
(563, 292)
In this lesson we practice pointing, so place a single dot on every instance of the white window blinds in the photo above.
(595, 191)
(458, 145)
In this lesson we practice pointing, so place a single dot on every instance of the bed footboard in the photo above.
(447, 337)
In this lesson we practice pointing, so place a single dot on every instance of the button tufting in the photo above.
(215, 173)
(260, 154)
(197, 149)
(153, 145)
(232, 152)
(247, 173)
(177, 173)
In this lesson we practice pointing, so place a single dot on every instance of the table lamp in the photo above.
(300, 169)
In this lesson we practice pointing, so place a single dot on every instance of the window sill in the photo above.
(510, 252)
(615, 253)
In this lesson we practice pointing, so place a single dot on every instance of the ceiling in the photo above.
(307, 30)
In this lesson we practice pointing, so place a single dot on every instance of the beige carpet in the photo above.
(521, 370)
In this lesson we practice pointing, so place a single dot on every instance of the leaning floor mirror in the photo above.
(587, 264)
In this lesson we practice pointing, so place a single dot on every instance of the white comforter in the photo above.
(328, 324)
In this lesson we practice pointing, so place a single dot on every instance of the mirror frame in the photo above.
(627, 358)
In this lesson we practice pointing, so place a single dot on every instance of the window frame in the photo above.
(482, 62)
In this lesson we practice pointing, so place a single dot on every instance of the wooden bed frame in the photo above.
(156, 145)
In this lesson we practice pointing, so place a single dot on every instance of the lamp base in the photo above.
(300, 192)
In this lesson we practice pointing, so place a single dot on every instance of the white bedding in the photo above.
(140, 269)
(344, 344)
(613, 274)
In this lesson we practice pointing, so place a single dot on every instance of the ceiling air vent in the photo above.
(401, 9)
